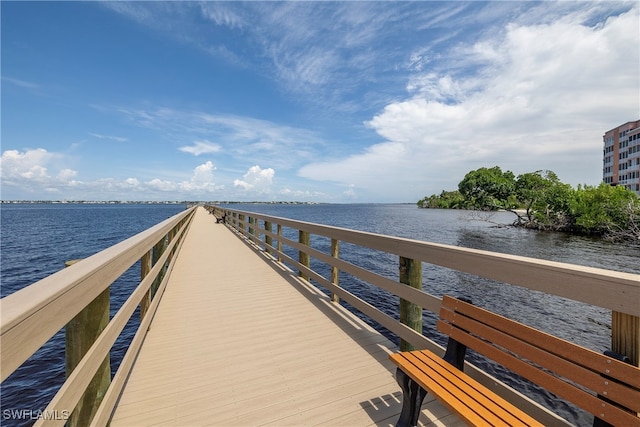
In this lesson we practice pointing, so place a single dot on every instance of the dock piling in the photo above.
(335, 273)
(267, 238)
(410, 313)
(145, 268)
(304, 238)
(279, 231)
(625, 336)
(80, 334)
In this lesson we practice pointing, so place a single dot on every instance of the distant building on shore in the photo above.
(621, 156)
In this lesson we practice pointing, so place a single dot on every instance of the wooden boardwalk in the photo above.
(238, 340)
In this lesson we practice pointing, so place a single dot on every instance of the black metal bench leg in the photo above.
(412, 397)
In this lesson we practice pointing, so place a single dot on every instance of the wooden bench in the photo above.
(219, 219)
(600, 384)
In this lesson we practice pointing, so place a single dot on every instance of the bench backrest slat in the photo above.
(540, 356)
(561, 388)
(580, 355)
(532, 354)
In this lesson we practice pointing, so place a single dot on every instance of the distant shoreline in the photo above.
(144, 202)
(90, 202)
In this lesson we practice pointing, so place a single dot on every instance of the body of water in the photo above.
(36, 241)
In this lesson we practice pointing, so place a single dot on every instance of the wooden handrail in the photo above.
(32, 315)
(105, 410)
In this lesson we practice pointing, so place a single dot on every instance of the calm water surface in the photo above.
(36, 240)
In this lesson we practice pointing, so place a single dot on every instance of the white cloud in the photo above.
(256, 179)
(201, 182)
(526, 86)
(539, 97)
(222, 15)
(67, 174)
(300, 194)
(32, 165)
(237, 136)
(21, 83)
(35, 173)
(203, 176)
(162, 185)
(201, 147)
(113, 138)
(317, 50)
(24, 165)
(350, 191)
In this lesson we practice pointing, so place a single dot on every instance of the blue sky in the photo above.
(311, 101)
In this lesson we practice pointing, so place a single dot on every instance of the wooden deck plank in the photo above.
(235, 341)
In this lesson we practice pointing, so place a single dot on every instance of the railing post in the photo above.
(145, 268)
(625, 336)
(80, 334)
(279, 227)
(172, 234)
(158, 250)
(335, 273)
(303, 257)
(268, 240)
(410, 313)
(252, 230)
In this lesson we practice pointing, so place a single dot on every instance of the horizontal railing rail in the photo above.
(31, 316)
(611, 290)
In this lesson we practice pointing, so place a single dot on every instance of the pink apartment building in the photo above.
(621, 156)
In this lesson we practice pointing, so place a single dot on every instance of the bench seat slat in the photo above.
(498, 406)
(482, 406)
(460, 393)
(442, 391)
(583, 356)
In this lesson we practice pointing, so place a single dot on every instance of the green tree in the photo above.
(489, 189)
(541, 201)
(545, 200)
(445, 200)
(610, 211)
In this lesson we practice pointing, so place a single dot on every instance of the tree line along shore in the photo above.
(540, 201)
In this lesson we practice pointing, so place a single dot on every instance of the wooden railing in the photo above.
(75, 297)
(615, 291)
